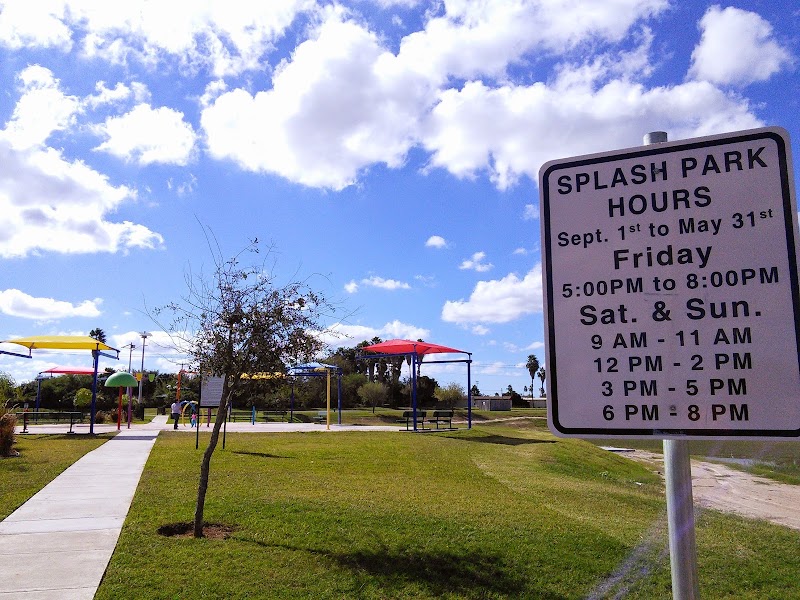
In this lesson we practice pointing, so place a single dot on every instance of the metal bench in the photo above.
(29, 417)
(442, 416)
(280, 414)
(408, 419)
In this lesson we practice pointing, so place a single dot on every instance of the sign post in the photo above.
(671, 299)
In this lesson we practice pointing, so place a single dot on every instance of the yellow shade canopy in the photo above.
(276, 375)
(60, 342)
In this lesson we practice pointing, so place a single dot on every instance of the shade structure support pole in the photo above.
(414, 388)
(339, 392)
(38, 396)
(328, 399)
(469, 393)
(96, 356)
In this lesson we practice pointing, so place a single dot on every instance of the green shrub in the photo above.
(83, 399)
(8, 421)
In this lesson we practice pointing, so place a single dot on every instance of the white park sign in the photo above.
(211, 391)
(671, 290)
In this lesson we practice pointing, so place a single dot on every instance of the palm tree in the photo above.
(532, 365)
(542, 374)
(98, 334)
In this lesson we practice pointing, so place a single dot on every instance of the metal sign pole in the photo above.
(680, 515)
(680, 503)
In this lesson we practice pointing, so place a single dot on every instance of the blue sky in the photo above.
(389, 149)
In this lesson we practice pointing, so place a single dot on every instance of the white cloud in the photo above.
(480, 330)
(157, 342)
(212, 92)
(149, 136)
(498, 300)
(476, 263)
(16, 303)
(48, 202)
(226, 38)
(377, 282)
(344, 102)
(51, 204)
(736, 47)
(162, 353)
(436, 241)
(182, 188)
(105, 95)
(341, 104)
(26, 24)
(392, 3)
(530, 213)
(41, 110)
(346, 335)
(481, 38)
(385, 284)
(532, 346)
(500, 130)
(397, 329)
(520, 252)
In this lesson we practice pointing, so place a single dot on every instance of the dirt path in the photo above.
(720, 487)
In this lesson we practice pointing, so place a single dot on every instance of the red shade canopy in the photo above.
(71, 370)
(410, 347)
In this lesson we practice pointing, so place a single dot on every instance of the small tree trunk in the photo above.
(205, 466)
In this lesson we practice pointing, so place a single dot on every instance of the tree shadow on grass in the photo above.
(259, 454)
(469, 575)
(71, 437)
(503, 440)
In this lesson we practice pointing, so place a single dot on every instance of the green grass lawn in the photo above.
(502, 511)
(42, 458)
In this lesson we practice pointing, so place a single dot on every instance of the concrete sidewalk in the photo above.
(160, 423)
(57, 545)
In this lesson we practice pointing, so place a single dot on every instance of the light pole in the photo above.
(130, 347)
(144, 335)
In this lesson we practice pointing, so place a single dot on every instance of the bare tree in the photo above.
(239, 321)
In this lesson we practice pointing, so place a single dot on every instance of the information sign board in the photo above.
(211, 391)
(671, 290)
